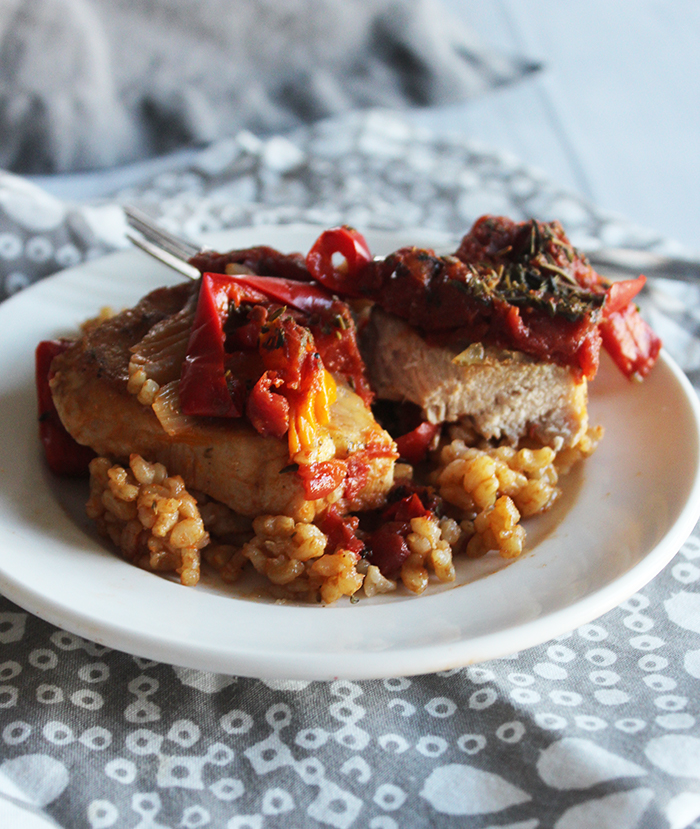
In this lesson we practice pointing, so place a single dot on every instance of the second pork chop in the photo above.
(502, 395)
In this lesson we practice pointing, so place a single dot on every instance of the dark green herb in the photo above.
(274, 342)
(530, 273)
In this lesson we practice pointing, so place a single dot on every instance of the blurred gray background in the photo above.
(613, 115)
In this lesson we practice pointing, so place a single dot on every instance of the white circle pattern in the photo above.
(16, 732)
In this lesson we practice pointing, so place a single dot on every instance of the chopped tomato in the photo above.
(341, 531)
(320, 479)
(267, 411)
(413, 446)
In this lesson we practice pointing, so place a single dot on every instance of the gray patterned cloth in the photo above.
(600, 727)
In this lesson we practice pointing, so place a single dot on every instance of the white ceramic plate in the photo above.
(624, 514)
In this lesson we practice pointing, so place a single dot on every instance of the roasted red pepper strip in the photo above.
(341, 531)
(64, 455)
(630, 342)
(352, 246)
(203, 388)
(410, 508)
(207, 388)
(337, 344)
(406, 509)
(203, 383)
(388, 547)
(358, 472)
(620, 294)
(300, 295)
(628, 339)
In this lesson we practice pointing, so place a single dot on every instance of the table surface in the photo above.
(615, 113)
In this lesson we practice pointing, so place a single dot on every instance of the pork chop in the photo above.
(224, 458)
(502, 395)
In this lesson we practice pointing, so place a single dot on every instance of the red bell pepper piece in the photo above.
(341, 531)
(352, 246)
(630, 342)
(300, 295)
(64, 455)
(410, 506)
(413, 446)
(620, 294)
(358, 472)
(628, 339)
(388, 547)
(205, 389)
(203, 384)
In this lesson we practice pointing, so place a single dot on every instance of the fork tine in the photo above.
(147, 227)
(164, 256)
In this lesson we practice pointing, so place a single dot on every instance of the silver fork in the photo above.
(171, 250)
(614, 263)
